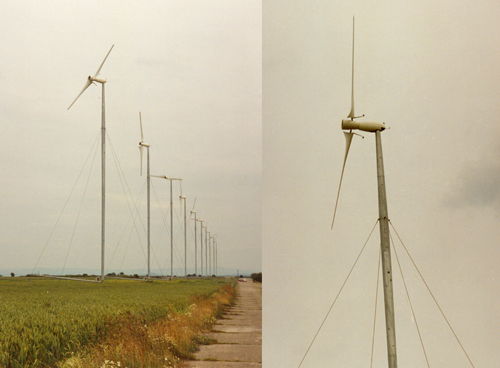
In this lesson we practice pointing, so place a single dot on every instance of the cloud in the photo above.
(477, 184)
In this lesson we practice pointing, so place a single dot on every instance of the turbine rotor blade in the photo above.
(87, 84)
(140, 119)
(351, 113)
(193, 204)
(348, 140)
(98, 70)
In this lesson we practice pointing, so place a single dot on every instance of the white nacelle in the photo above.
(366, 126)
(99, 80)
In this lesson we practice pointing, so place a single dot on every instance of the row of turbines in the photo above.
(211, 254)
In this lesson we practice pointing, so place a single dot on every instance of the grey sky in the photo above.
(194, 70)
(429, 71)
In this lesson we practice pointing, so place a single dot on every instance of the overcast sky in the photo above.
(194, 69)
(429, 70)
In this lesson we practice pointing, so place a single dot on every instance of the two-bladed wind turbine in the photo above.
(91, 80)
(209, 265)
(195, 249)
(206, 264)
(214, 263)
(181, 197)
(375, 127)
(143, 144)
(201, 245)
(171, 223)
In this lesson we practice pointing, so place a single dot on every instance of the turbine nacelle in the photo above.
(97, 79)
(366, 126)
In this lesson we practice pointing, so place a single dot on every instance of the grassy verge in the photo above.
(43, 321)
(132, 342)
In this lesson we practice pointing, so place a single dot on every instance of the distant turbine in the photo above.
(171, 224)
(201, 246)
(213, 254)
(142, 144)
(195, 250)
(209, 258)
(206, 269)
(90, 81)
(181, 197)
(377, 128)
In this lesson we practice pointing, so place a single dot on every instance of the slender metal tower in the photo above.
(171, 224)
(206, 253)
(201, 247)
(171, 234)
(103, 182)
(386, 256)
(149, 218)
(142, 144)
(195, 249)
(90, 80)
(209, 256)
(213, 255)
(181, 197)
(348, 125)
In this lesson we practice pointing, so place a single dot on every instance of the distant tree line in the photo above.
(256, 277)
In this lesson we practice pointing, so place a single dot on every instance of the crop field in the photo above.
(43, 321)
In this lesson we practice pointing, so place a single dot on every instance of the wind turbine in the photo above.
(206, 253)
(374, 127)
(91, 80)
(209, 257)
(216, 258)
(171, 224)
(142, 144)
(195, 249)
(181, 197)
(213, 254)
(201, 246)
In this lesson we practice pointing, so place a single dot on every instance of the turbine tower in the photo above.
(206, 253)
(181, 197)
(142, 144)
(171, 224)
(195, 249)
(91, 80)
(201, 246)
(209, 260)
(349, 124)
(214, 262)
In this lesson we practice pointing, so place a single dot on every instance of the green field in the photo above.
(42, 320)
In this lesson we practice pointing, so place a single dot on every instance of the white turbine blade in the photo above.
(140, 119)
(351, 114)
(87, 84)
(348, 140)
(98, 70)
(193, 204)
